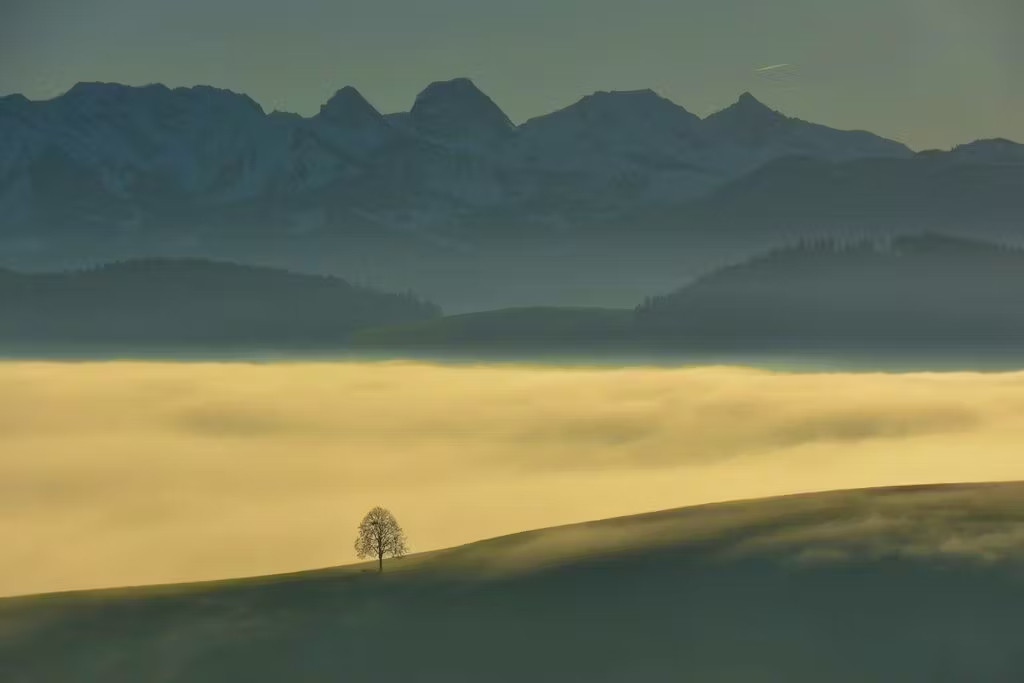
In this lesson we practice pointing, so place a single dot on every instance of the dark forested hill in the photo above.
(169, 302)
(923, 291)
(927, 292)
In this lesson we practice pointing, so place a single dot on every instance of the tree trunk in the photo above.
(380, 563)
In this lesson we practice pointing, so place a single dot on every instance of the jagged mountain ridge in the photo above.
(201, 147)
(602, 202)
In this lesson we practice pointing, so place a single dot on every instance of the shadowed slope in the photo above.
(192, 302)
(904, 584)
(913, 292)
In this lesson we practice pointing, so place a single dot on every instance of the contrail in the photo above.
(773, 67)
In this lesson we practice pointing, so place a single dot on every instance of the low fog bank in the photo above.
(147, 472)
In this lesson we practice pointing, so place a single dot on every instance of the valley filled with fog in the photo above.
(126, 473)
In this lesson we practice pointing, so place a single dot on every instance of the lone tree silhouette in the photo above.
(380, 535)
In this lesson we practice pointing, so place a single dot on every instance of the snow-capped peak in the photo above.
(746, 112)
(456, 111)
(349, 107)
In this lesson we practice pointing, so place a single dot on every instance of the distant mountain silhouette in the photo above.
(168, 303)
(209, 149)
(926, 292)
(974, 189)
(452, 192)
(456, 112)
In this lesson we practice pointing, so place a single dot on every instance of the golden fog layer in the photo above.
(132, 473)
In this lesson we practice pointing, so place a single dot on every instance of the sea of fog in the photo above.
(134, 472)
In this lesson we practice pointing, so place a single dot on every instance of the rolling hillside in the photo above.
(901, 584)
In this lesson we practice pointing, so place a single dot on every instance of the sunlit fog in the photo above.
(132, 473)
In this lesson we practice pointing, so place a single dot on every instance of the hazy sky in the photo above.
(126, 473)
(928, 72)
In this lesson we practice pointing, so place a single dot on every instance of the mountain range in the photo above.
(599, 203)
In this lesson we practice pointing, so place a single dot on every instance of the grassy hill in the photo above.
(899, 584)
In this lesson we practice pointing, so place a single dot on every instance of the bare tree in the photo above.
(380, 535)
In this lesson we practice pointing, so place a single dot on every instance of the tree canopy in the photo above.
(380, 536)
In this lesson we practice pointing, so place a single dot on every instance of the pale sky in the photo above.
(931, 73)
